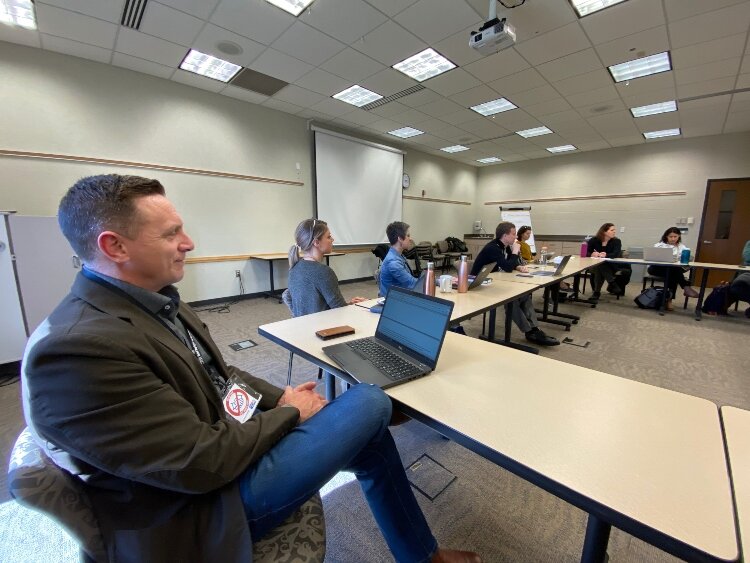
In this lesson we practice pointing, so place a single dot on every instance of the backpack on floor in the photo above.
(650, 298)
(717, 302)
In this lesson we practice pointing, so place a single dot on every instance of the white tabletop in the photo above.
(575, 264)
(737, 433)
(652, 455)
(707, 265)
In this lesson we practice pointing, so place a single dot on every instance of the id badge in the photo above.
(240, 401)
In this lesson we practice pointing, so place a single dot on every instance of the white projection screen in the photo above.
(358, 187)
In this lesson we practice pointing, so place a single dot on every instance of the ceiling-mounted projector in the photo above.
(495, 35)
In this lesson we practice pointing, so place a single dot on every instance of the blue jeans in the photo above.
(349, 434)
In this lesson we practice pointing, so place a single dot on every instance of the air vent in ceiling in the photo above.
(396, 96)
(258, 82)
(132, 14)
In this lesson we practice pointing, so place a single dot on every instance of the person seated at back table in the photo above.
(504, 251)
(739, 290)
(313, 285)
(394, 270)
(524, 233)
(604, 244)
(672, 238)
(124, 388)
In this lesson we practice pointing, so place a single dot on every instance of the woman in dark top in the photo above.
(606, 245)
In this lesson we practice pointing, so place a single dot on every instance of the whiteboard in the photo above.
(520, 217)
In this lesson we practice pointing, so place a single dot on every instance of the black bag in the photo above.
(456, 245)
(650, 298)
(717, 302)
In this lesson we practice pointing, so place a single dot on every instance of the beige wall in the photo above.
(60, 104)
(683, 164)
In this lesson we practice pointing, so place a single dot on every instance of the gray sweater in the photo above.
(314, 287)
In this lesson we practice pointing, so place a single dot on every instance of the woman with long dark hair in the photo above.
(672, 238)
(604, 244)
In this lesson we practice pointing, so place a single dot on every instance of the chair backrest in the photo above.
(442, 246)
(424, 251)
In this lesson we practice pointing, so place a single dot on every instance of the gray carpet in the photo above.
(486, 508)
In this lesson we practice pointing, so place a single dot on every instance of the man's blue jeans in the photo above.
(349, 434)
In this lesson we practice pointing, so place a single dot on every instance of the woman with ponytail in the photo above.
(313, 285)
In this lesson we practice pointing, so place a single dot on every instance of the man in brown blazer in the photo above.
(124, 388)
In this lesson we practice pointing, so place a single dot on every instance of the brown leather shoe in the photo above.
(455, 556)
(669, 305)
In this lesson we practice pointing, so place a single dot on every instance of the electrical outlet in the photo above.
(622, 229)
(237, 274)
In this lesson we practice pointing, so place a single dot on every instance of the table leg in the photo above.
(508, 324)
(545, 310)
(667, 294)
(701, 294)
(595, 543)
(330, 386)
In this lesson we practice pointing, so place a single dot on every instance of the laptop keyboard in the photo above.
(389, 363)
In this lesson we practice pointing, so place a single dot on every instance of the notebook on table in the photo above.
(659, 254)
(407, 341)
(557, 272)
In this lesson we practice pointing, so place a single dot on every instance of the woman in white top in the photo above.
(672, 238)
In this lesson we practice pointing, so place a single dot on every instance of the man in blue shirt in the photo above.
(395, 270)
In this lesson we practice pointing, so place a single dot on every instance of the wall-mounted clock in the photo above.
(405, 181)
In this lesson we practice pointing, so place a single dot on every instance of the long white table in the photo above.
(647, 460)
(737, 433)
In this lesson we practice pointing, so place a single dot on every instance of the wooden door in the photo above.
(725, 226)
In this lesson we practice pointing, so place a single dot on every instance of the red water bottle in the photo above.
(584, 249)
(463, 275)
(429, 280)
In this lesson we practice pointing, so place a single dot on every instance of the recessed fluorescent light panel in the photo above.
(653, 64)
(493, 107)
(489, 160)
(424, 65)
(535, 132)
(562, 148)
(662, 133)
(653, 109)
(455, 148)
(294, 7)
(587, 7)
(209, 66)
(18, 12)
(357, 96)
(406, 132)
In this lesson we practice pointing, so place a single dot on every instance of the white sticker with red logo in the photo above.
(240, 402)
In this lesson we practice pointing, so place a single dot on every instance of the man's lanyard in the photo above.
(194, 346)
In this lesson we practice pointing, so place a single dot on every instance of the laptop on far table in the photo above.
(476, 281)
(558, 271)
(406, 344)
(657, 254)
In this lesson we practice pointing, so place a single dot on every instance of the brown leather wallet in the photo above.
(334, 332)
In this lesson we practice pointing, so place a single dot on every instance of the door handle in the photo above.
(707, 242)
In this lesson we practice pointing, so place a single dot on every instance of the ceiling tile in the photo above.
(570, 65)
(297, 96)
(412, 117)
(549, 107)
(743, 81)
(461, 116)
(584, 82)
(139, 65)
(434, 20)
(709, 71)
(651, 97)
(108, 10)
(709, 51)
(593, 146)
(279, 65)
(390, 110)
(516, 120)
(714, 25)
(212, 35)
(282, 106)
(384, 125)
(307, 44)
(484, 128)
(70, 25)
(519, 82)
(554, 44)
(716, 102)
(198, 8)
(389, 44)
(737, 121)
(591, 97)
(695, 89)
(745, 68)
(244, 95)
(475, 96)
(19, 35)
(534, 96)
(567, 118)
(440, 107)
(613, 125)
(680, 9)
(323, 82)
(600, 108)
(622, 19)
(332, 107)
(352, 65)
(360, 117)
(635, 46)
(456, 48)
(144, 46)
(170, 24)
(387, 82)
(74, 48)
(432, 126)
(346, 20)
(197, 81)
(633, 140)
(259, 21)
(391, 7)
(658, 122)
(646, 84)
(316, 116)
(418, 99)
(699, 118)
(452, 82)
(498, 65)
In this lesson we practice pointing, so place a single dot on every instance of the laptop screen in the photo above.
(415, 321)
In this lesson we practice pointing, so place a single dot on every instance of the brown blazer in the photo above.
(115, 398)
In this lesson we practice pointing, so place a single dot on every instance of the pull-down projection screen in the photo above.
(358, 186)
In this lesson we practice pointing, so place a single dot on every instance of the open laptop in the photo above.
(656, 254)
(406, 344)
(476, 281)
(558, 271)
